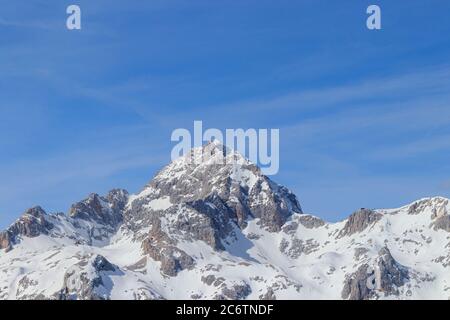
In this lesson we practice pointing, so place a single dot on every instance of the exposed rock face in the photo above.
(31, 224)
(222, 231)
(359, 221)
(23, 284)
(311, 222)
(5, 240)
(437, 206)
(91, 220)
(90, 279)
(442, 223)
(160, 247)
(173, 260)
(298, 247)
(101, 264)
(86, 280)
(206, 201)
(392, 274)
(360, 252)
(269, 295)
(213, 222)
(356, 285)
(104, 210)
(236, 185)
(386, 277)
(235, 292)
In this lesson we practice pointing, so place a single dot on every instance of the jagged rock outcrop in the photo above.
(160, 247)
(31, 224)
(367, 282)
(104, 210)
(269, 295)
(357, 285)
(311, 222)
(87, 280)
(101, 264)
(437, 206)
(234, 292)
(212, 230)
(392, 274)
(298, 247)
(206, 200)
(212, 221)
(93, 220)
(359, 221)
(442, 223)
(5, 241)
(173, 260)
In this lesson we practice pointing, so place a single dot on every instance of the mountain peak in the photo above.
(31, 224)
(105, 210)
(216, 173)
(36, 211)
(435, 206)
(213, 153)
(230, 232)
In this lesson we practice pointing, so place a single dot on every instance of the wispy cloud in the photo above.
(28, 24)
(350, 107)
(28, 176)
(415, 148)
(429, 82)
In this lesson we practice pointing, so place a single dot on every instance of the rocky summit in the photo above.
(210, 225)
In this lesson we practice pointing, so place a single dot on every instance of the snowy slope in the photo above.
(215, 227)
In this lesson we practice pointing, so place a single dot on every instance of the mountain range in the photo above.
(218, 228)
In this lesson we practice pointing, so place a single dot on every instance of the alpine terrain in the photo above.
(211, 226)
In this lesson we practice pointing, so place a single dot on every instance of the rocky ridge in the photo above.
(212, 226)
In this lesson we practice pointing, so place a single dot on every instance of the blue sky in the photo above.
(364, 116)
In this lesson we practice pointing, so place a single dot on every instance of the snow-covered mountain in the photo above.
(205, 228)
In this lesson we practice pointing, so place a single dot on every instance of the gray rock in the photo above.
(200, 186)
(355, 285)
(359, 252)
(298, 247)
(31, 224)
(311, 222)
(359, 221)
(209, 279)
(269, 295)
(290, 228)
(442, 223)
(366, 283)
(5, 241)
(24, 284)
(437, 205)
(392, 274)
(101, 264)
(86, 281)
(104, 210)
(236, 292)
(210, 204)
(160, 247)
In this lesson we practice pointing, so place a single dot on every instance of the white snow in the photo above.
(160, 203)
